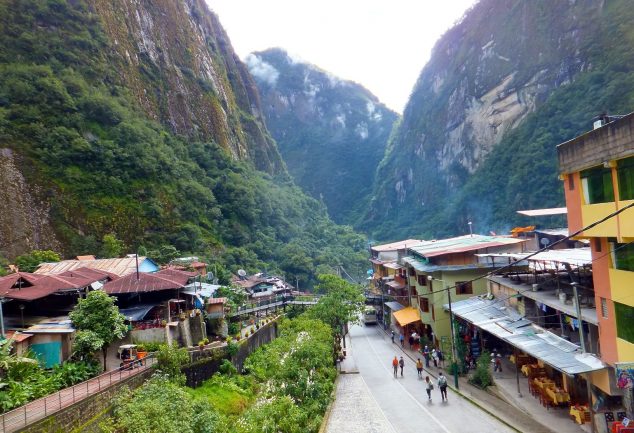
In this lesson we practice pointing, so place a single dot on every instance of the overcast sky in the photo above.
(380, 44)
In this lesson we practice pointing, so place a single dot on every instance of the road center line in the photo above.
(436, 420)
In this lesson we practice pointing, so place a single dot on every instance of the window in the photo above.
(571, 182)
(622, 255)
(412, 272)
(625, 175)
(422, 280)
(464, 288)
(424, 304)
(597, 185)
(624, 319)
(604, 308)
(597, 245)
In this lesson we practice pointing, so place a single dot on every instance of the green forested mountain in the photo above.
(503, 87)
(331, 133)
(137, 119)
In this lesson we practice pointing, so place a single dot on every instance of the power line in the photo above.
(546, 248)
(521, 292)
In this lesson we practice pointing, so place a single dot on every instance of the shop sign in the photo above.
(624, 375)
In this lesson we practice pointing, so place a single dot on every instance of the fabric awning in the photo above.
(137, 313)
(508, 325)
(406, 316)
(394, 306)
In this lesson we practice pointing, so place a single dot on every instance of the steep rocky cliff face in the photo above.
(205, 91)
(491, 73)
(331, 133)
(25, 222)
(136, 118)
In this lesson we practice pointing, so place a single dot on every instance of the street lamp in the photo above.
(470, 228)
(454, 355)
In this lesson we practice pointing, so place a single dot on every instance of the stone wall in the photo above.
(84, 416)
(264, 335)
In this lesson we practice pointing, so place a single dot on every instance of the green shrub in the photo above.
(482, 376)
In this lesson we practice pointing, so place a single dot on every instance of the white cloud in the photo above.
(262, 70)
(381, 45)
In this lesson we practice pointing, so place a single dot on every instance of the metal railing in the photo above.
(276, 301)
(36, 410)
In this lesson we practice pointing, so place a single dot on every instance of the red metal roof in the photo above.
(146, 282)
(96, 274)
(28, 287)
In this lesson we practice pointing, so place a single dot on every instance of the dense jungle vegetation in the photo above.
(107, 169)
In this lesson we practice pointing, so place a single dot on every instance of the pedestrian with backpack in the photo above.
(401, 338)
(429, 386)
(395, 366)
(442, 384)
(401, 363)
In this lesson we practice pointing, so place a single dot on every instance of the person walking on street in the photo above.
(434, 357)
(497, 363)
(392, 336)
(426, 355)
(401, 363)
(442, 384)
(401, 338)
(419, 368)
(410, 340)
(395, 366)
(428, 387)
(441, 358)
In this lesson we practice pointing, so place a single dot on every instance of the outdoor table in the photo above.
(543, 383)
(577, 412)
(557, 395)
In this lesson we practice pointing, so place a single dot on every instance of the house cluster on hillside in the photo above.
(560, 307)
(159, 304)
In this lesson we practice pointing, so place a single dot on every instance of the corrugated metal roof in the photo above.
(392, 265)
(119, 266)
(394, 306)
(420, 265)
(154, 282)
(551, 259)
(544, 212)
(508, 325)
(395, 246)
(462, 244)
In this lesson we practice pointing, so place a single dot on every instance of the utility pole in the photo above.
(454, 354)
(582, 342)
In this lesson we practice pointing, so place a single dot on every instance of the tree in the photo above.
(97, 313)
(341, 303)
(111, 246)
(170, 360)
(29, 262)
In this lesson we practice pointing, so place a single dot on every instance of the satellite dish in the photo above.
(242, 272)
(544, 241)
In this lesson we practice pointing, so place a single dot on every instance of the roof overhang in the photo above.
(508, 325)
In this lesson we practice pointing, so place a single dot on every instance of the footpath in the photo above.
(522, 413)
(354, 408)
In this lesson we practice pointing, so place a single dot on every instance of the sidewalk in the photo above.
(354, 409)
(523, 414)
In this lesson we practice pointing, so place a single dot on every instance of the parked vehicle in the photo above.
(369, 316)
(130, 356)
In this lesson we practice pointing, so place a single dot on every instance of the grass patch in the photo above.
(224, 395)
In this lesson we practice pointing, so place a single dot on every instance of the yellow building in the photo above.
(438, 268)
(597, 169)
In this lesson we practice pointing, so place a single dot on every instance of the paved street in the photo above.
(400, 403)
